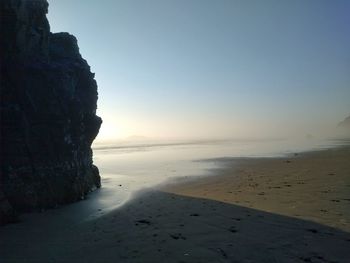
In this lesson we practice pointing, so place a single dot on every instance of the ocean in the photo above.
(127, 167)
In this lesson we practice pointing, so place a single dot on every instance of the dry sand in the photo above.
(312, 186)
(256, 210)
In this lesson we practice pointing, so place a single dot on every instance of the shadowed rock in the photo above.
(48, 113)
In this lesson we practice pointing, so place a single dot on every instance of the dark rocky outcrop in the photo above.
(343, 129)
(345, 123)
(48, 113)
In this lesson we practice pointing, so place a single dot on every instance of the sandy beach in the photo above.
(174, 131)
(313, 186)
(291, 209)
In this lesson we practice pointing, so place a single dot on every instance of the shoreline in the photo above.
(274, 184)
(199, 220)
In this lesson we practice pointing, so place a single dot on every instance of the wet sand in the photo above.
(313, 186)
(293, 209)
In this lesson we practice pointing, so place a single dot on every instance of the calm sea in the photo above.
(127, 167)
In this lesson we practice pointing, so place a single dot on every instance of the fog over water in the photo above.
(129, 166)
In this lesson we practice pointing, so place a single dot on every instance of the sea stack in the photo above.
(48, 113)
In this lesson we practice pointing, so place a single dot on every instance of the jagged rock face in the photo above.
(48, 113)
(345, 123)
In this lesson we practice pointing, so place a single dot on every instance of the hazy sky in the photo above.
(200, 68)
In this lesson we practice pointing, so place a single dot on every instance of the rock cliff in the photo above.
(48, 113)
(345, 123)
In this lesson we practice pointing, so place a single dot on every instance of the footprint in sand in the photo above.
(233, 229)
(143, 221)
(194, 214)
(312, 230)
(177, 236)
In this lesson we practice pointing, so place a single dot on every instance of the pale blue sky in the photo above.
(188, 68)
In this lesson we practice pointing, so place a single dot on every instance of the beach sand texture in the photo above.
(293, 209)
(314, 186)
